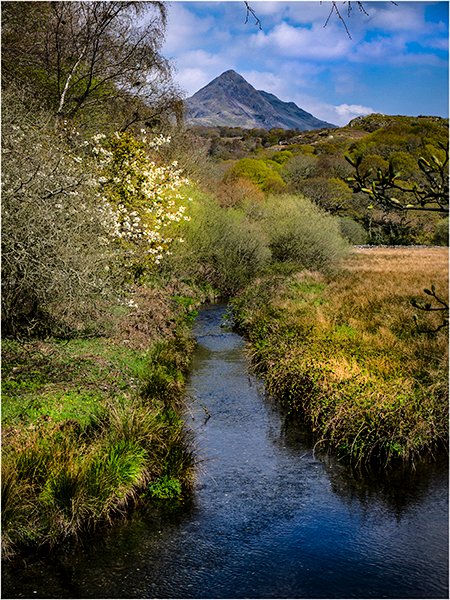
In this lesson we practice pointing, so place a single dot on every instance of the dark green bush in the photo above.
(352, 231)
(440, 237)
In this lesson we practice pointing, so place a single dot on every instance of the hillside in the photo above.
(312, 163)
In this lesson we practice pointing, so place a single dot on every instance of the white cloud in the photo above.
(184, 29)
(195, 69)
(305, 43)
(266, 80)
(403, 17)
(347, 112)
(337, 114)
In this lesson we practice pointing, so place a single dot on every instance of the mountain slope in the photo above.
(229, 100)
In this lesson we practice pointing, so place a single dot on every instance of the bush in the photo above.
(298, 168)
(222, 247)
(440, 237)
(238, 191)
(300, 232)
(258, 171)
(352, 231)
(55, 245)
(331, 194)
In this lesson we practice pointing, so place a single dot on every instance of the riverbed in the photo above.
(269, 518)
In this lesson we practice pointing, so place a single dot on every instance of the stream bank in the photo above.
(269, 519)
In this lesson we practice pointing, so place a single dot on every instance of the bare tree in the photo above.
(340, 13)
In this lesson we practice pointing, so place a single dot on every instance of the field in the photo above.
(348, 354)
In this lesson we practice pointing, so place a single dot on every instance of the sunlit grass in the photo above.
(91, 429)
(346, 352)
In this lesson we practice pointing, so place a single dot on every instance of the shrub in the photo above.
(298, 168)
(144, 196)
(237, 192)
(352, 231)
(223, 247)
(331, 194)
(440, 237)
(57, 260)
(300, 232)
(258, 171)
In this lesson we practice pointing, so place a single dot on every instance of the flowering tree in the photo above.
(145, 196)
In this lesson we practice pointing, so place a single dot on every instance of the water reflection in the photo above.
(397, 489)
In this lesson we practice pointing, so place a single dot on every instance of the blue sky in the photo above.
(395, 63)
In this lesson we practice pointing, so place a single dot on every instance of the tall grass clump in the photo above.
(73, 462)
(346, 353)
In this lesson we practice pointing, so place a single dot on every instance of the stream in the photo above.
(269, 518)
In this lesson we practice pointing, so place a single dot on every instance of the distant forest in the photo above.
(313, 163)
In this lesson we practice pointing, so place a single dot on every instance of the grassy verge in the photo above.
(92, 427)
(345, 352)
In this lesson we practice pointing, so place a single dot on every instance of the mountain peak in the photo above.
(230, 73)
(229, 100)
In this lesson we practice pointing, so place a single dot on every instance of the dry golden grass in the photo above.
(381, 282)
(347, 353)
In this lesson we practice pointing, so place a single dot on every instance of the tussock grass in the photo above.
(346, 353)
(91, 429)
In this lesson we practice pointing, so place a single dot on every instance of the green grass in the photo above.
(91, 430)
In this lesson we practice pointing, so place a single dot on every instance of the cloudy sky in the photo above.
(396, 61)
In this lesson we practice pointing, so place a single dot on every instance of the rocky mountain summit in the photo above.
(229, 100)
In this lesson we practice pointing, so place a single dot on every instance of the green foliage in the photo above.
(68, 467)
(281, 157)
(298, 168)
(225, 248)
(331, 194)
(299, 232)
(386, 189)
(258, 171)
(440, 237)
(352, 231)
(165, 488)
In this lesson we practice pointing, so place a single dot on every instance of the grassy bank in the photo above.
(92, 427)
(347, 354)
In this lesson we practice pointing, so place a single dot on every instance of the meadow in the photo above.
(347, 353)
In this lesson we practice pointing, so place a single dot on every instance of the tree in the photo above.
(58, 262)
(430, 196)
(334, 10)
(90, 53)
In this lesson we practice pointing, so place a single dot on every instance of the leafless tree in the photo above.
(341, 13)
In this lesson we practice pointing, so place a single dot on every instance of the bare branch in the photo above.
(251, 12)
